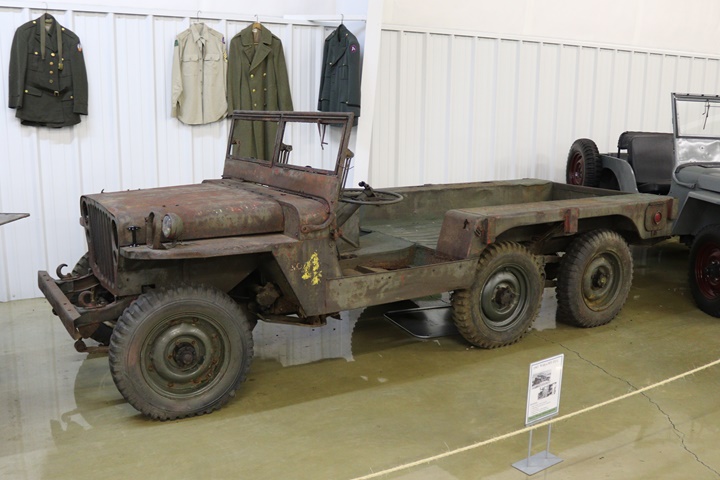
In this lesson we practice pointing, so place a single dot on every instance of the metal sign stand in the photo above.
(540, 461)
(543, 403)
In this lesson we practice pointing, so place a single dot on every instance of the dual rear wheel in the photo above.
(594, 280)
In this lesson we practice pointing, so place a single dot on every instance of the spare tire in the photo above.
(583, 164)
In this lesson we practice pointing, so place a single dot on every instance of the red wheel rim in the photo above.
(577, 169)
(707, 270)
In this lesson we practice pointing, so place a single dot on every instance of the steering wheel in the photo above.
(369, 196)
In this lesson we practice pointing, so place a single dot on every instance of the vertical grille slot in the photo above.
(103, 250)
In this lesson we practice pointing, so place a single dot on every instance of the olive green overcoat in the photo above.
(47, 88)
(257, 80)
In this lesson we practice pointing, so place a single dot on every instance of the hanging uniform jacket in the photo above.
(48, 81)
(257, 80)
(199, 74)
(340, 77)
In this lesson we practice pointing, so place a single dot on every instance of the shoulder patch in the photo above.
(176, 43)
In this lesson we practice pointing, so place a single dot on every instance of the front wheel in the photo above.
(704, 274)
(180, 352)
(500, 306)
(594, 279)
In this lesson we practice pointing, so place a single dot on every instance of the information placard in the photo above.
(543, 400)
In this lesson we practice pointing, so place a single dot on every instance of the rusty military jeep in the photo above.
(175, 278)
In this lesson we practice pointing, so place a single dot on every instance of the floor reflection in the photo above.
(296, 345)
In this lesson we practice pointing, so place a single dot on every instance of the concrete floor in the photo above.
(381, 399)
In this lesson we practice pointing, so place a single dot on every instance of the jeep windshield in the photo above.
(309, 141)
(696, 125)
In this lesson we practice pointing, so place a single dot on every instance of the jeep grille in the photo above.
(102, 240)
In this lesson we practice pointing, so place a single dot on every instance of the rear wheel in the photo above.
(583, 164)
(704, 272)
(180, 352)
(594, 279)
(500, 306)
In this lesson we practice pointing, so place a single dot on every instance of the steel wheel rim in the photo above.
(602, 281)
(577, 169)
(185, 355)
(707, 265)
(503, 299)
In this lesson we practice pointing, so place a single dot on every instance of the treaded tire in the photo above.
(82, 266)
(103, 333)
(503, 301)
(594, 279)
(583, 164)
(704, 271)
(180, 352)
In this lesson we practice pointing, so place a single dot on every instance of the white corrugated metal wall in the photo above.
(128, 140)
(455, 107)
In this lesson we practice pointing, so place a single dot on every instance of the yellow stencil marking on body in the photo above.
(311, 269)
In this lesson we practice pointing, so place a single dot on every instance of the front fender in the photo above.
(701, 208)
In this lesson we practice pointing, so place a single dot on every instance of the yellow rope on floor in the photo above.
(533, 427)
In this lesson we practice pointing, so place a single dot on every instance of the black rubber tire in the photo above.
(704, 271)
(104, 331)
(82, 267)
(583, 164)
(594, 279)
(503, 301)
(180, 352)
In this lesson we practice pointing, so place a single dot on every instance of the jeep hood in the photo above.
(208, 210)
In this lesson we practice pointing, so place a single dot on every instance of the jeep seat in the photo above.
(652, 158)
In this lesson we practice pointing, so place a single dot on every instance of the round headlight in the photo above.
(172, 226)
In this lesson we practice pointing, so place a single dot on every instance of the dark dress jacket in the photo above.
(340, 78)
(47, 89)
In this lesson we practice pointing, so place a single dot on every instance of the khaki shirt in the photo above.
(199, 76)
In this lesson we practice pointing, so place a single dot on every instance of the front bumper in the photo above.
(62, 307)
(80, 322)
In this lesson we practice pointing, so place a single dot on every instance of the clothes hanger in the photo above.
(46, 16)
(257, 25)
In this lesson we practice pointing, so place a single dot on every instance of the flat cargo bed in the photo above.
(436, 216)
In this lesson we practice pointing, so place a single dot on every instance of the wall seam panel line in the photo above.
(611, 95)
(116, 85)
(575, 94)
(76, 138)
(398, 75)
(593, 93)
(644, 82)
(556, 95)
(423, 107)
(536, 110)
(493, 107)
(516, 106)
(471, 102)
(158, 97)
(628, 88)
(449, 110)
